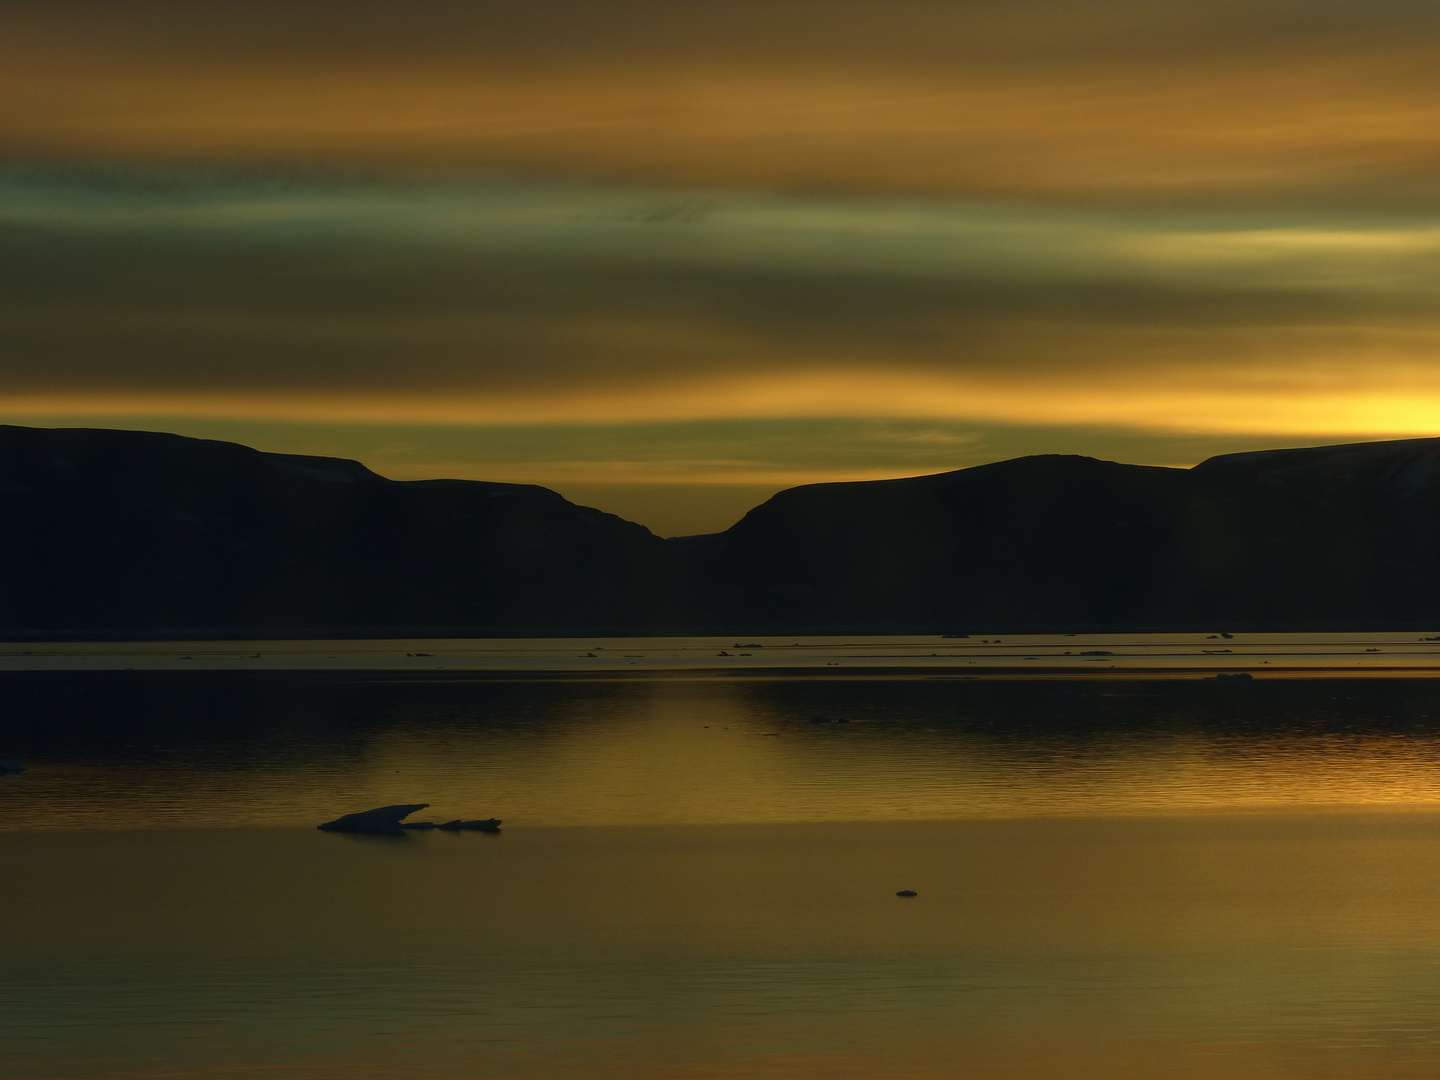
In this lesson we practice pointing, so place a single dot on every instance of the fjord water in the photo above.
(1116, 878)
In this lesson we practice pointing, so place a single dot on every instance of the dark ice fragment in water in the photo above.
(477, 825)
(10, 768)
(907, 892)
(383, 819)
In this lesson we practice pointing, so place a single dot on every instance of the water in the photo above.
(209, 751)
(1115, 878)
(1312, 654)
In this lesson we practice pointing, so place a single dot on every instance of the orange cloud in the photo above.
(1388, 401)
(1068, 102)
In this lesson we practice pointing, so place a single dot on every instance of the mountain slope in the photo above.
(116, 530)
(1337, 535)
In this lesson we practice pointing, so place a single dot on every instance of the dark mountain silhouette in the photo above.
(135, 533)
(1338, 536)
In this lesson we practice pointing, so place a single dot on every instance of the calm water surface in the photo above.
(1116, 879)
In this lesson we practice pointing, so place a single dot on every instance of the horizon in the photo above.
(712, 510)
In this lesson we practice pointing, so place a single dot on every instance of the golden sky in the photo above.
(438, 234)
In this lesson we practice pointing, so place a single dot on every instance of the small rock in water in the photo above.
(487, 825)
(1234, 676)
(383, 819)
(907, 892)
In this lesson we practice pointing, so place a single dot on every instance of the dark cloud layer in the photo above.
(509, 301)
(142, 315)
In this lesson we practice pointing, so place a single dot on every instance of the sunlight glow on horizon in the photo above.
(1175, 405)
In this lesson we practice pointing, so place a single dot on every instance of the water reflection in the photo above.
(749, 927)
(1207, 947)
(110, 751)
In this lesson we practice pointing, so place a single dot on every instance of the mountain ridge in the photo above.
(119, 533)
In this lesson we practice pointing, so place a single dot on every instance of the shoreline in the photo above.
(1374, 654)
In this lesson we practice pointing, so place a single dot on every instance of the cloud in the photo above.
(1101, 100)
(634, 242)
(212, 294)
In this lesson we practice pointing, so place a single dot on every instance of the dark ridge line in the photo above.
(139, 536)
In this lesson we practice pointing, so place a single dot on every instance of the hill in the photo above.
(121, 533)
(1335, 536)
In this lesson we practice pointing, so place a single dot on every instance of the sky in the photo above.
(670, 257)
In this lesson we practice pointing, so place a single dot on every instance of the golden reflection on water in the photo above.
(695, 880)
(731, 751)
(1274, 946)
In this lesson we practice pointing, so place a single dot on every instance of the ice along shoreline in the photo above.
(1375, 653)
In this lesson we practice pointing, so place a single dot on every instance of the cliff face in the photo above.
(133, 532)
(112, 530)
